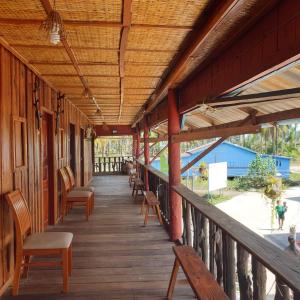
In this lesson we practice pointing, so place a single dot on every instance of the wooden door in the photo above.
(82, 156)
(45, 166)
(72, 149)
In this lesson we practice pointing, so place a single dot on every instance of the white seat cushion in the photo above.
(48, 240)
(84, 188)
(80, 194)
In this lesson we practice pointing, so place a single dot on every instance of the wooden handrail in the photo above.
(278, 262)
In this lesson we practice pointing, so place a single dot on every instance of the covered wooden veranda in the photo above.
(170, 71)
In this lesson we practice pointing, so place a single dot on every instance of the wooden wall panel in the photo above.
(16, 101)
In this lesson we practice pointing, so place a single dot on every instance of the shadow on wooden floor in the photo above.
(114, 256)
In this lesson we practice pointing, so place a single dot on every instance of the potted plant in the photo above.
(203, 169)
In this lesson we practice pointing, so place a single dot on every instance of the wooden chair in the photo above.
(39, 244)
(71, 198)
(200, 279)
(137, 186)
(150, 201)
(80, 188)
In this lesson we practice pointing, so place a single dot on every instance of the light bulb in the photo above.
(54, 34)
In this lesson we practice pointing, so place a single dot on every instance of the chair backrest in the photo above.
(21, 213)
(65, 180)
(71, 175)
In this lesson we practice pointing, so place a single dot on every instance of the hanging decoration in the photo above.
(53, 26)
(90, 132)
(59, 110)
(36, 103)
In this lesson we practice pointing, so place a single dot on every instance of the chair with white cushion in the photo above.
(30, 244)
(79, 188)
(70, 197)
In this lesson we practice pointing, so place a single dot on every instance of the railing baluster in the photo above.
(282, 291)
(228, 266)
(244, 279)
(189, 224)
(212, 250)
(259, 276)
(219, 256)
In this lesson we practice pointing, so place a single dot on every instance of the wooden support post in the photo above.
(138, 142)
(146, 153)
(134, 143)
(174, 168)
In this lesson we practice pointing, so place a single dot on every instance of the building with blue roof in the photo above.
(237, 157)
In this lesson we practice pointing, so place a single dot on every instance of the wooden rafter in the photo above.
(94, 23)
(37, 46)
(212, 132)
(202, 154)
(126, 18)
(158, 153)
(48, 9)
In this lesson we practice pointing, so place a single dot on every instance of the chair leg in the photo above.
(159, 214)
(16, 280)
(26, 266)
(173, 279)
(70, 254)
(87, 209)
(146, 216)
(65, 262)
(133, 189)
(143, 206)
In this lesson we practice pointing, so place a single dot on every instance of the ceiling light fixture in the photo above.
(53, 26)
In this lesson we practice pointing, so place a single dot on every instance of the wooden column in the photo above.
(134, 142)
(174, 168)
(146, 153)
(138, 144)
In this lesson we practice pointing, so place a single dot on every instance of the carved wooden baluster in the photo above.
(229, 266)
(219, 256)
(184, 231)
(212, 248)
(197, 232)
(245, 283)
(259, 280)
(189, 224)
(282, 290)
(204, 239)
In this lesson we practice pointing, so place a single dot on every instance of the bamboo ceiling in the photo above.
(123, 48)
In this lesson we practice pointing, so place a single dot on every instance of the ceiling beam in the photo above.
(100, 76)
(126, 22)
(255, 98)
(94, 23)
(95, 63)
(32, 46)
(212, 132)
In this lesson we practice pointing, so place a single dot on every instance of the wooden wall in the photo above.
(23, 170)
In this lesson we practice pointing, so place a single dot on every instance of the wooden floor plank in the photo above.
(114, 255)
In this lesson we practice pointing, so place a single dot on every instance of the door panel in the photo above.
(45, 166)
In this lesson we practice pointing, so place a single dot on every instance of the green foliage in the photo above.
(216, 198)
(260, 169)
(164, 163)
(259, 173)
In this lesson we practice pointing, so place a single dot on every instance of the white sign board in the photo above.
(217, 176)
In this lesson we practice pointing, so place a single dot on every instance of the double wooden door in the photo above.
(47, 168)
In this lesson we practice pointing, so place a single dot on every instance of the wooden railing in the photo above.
(110, 165)
(239, 259)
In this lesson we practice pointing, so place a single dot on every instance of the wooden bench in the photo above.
(137, 186)
(150, 201)
(200, 279)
